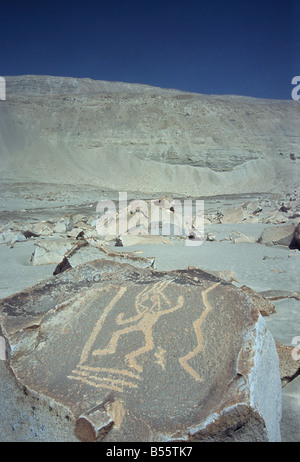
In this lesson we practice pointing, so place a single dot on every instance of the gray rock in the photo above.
(295, 242)
(64, 224)
(280, 235)
(139, 355)
(10, 236)
(48, 252)
(44, 228)
(237, 237)
(290, 424)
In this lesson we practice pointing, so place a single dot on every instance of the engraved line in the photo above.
(197, 327)
(84, 375)
(148, 335)
(96, 385)
(99, 324)
(113, 343)
(113, 371)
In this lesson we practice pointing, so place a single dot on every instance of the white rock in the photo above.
(11, 236)
(49, 252)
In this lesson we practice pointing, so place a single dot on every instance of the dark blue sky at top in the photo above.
(240, 47)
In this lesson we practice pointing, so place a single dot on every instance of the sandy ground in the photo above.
(255, 265)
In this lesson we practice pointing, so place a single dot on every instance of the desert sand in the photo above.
(66, 144)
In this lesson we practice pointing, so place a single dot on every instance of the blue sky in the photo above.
(240, 47)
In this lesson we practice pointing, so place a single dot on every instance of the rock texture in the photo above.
(133, 354)
(64, 130)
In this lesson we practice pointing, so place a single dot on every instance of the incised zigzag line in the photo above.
(200, 344)
(99, 324)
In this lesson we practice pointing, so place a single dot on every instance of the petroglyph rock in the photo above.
(264, 306)
(140, 355)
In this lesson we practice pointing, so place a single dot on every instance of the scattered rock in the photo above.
(295, 242)
(80, 235)
(289, 367)
(28, 234)
(64, 224)
(62, 266)
(284, 209)
(234, 215)
(118, 243)
(210, 237)
(266, 308)
(275, 218)
(228, 276)
(161, 356)
(44, 228)
(280, 235)
(237, 237)
(130, 240)
(10, 236)
(279, 294)
(75, 232)
(79, 217)
(81, 251)
(52, 251)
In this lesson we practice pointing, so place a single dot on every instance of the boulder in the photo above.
(280, 235)
(289, 365)
(10, 236)
(279, 294)
(236, 237)
(275, 218)
(138, 355)
(64, 224)
(264, 306)
(79, 217)
(295, 242)
(64, 265)
(44, 228)
(234, 215)
(210, 237)
(80, 251)
(49, 252)
(130, 240)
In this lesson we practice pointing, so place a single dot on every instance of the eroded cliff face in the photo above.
(138, 137)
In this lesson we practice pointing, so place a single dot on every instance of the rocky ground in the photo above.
(67, 145)
(246, 241)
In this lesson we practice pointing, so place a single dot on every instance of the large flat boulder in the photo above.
(277, 235)
(140, 355)
(53, 251)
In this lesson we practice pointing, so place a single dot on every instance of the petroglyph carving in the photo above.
(94, 367)
(200, 343)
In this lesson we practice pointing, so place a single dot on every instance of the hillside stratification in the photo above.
(140, 137)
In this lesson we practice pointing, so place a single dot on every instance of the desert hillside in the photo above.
(139, 138)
